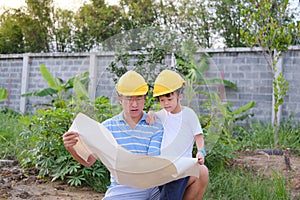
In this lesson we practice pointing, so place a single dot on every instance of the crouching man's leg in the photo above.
(196, 186)
(173, 190)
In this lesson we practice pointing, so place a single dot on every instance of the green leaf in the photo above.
(244, 108)
(222, 81)
(83, 77)
(80, 89)
(49, 78)
(41, 93)
(3, 94)
(243, 117)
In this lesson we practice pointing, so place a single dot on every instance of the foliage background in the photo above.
(40, 27)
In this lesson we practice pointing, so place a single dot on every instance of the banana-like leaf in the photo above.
(41, 93)
(80, 89)
(3, 94)
(244, 108)
(243, 117)
(83, 77)
(52, 82)
(221, 81)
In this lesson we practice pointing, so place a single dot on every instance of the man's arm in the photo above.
(70, 139)
(155, 141)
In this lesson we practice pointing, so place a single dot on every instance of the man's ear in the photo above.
(119, 99)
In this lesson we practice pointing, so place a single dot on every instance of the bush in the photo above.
(48, 154)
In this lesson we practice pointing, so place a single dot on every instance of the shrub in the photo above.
(48, 154)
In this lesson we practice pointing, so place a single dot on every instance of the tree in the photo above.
(94, 23)
(37, 25)
(271, 28)
(11, 36)
(228, 21)
(190, 18)
(3, 94)
(27, 29)
(64, 23)
(139, 13)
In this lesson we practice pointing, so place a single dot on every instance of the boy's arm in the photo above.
(151, 117)
(200, 148)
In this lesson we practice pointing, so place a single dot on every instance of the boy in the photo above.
(177, 119)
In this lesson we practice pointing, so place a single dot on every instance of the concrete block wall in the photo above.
(11, 79)
(291, 72)
(249, 70)
(243, 66)
(105, 85)
(63, 66)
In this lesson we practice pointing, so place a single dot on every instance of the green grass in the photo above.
(236, 184)
(259, 135)
(11, 125)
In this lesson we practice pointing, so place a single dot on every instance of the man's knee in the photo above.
(202, 180)
(203, 174)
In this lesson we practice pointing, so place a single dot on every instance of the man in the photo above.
(131, 131)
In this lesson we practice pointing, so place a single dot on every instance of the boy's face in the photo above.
(171, 102)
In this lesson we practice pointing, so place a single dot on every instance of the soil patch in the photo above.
(17, 185)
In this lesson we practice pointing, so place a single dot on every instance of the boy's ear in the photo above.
(180, 96)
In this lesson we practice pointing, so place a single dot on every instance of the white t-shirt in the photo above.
(180, 130)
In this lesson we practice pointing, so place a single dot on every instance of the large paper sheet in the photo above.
(138, 171)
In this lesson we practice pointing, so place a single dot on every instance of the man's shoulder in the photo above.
(112, 120)
(158, 123)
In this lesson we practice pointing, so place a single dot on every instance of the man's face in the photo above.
(133, 105)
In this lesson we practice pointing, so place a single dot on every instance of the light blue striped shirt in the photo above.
(143, 139)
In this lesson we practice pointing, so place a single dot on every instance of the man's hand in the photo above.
(70, 139)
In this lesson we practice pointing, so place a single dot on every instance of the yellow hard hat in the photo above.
(132, 84)
(166, 82)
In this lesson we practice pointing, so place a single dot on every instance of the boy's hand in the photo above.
(151, 117)
(200, 158)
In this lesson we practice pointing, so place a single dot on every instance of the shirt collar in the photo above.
(120, 117)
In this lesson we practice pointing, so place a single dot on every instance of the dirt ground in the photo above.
(17, 185)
